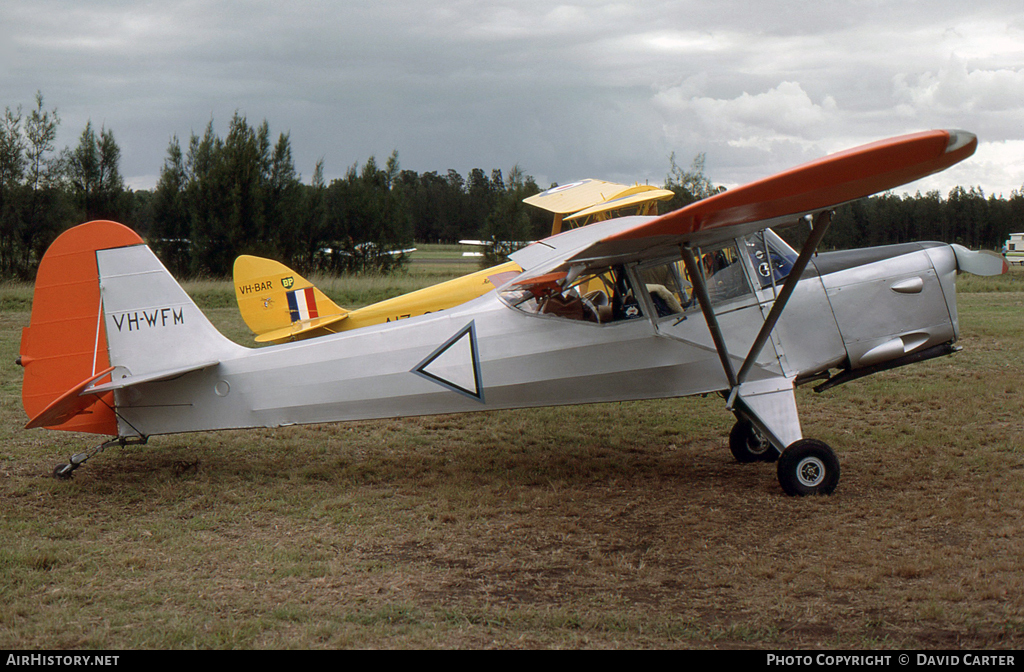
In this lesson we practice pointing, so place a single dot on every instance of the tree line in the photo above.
(219, 197)
(241, 194)
(965, 216)
(43, 190)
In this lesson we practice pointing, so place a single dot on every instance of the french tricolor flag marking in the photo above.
(302, 303)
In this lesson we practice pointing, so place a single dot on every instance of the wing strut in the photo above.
(700, 286)
(821, 224)
(770, 404)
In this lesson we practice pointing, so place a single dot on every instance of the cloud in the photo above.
(958, 89)
(564, 89)
(785, 111)
(752, 134)
(996, 167)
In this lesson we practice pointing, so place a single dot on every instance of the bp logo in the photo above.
(287, 282)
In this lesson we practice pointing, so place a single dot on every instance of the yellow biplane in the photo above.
(279, 305)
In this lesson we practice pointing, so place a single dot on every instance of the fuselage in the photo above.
(510, 349)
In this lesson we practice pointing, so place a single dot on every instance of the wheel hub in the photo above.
(810, 472)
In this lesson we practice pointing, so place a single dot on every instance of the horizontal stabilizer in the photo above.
(129, 380)
(85, 394)
(69, 404)
(298, 328)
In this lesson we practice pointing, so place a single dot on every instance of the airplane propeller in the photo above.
(984, 262)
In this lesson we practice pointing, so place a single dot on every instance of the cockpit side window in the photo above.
(670, 293)
(671, 289)
(723, 272)
(607, 295)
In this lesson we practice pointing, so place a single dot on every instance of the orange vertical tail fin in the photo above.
(65, 344)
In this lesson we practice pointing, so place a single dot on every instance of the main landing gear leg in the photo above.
(67, 470)
(768, 429)
(748, 444)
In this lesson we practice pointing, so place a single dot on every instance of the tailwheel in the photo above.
(65, 471)
(808, 467)
(749, 445)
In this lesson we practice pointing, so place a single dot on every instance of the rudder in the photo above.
(280, 305)
(65, 342)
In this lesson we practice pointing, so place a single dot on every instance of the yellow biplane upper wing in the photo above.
(631, 197)
(597, 198)
(569, 198)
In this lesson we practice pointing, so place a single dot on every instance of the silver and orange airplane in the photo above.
(705, 299)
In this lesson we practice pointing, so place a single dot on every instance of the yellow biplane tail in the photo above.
(278, 304)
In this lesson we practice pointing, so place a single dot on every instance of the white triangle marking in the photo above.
(455, 364)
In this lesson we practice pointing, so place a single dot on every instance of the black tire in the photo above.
(63, 472)
(808, 467)
(747, 445)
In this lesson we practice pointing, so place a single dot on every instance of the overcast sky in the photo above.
(589, 89)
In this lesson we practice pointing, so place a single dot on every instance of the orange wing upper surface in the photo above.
(829, 181)
(65, 343)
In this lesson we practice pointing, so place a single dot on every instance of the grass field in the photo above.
(606, 526)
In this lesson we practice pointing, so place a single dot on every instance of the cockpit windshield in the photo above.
(772, 258)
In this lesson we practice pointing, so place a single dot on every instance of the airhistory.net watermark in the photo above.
(51, 660)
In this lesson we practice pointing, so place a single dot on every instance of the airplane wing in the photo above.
(573, 197)
(781, 199)
(298, 328)
(631, 197)
(587, 198)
